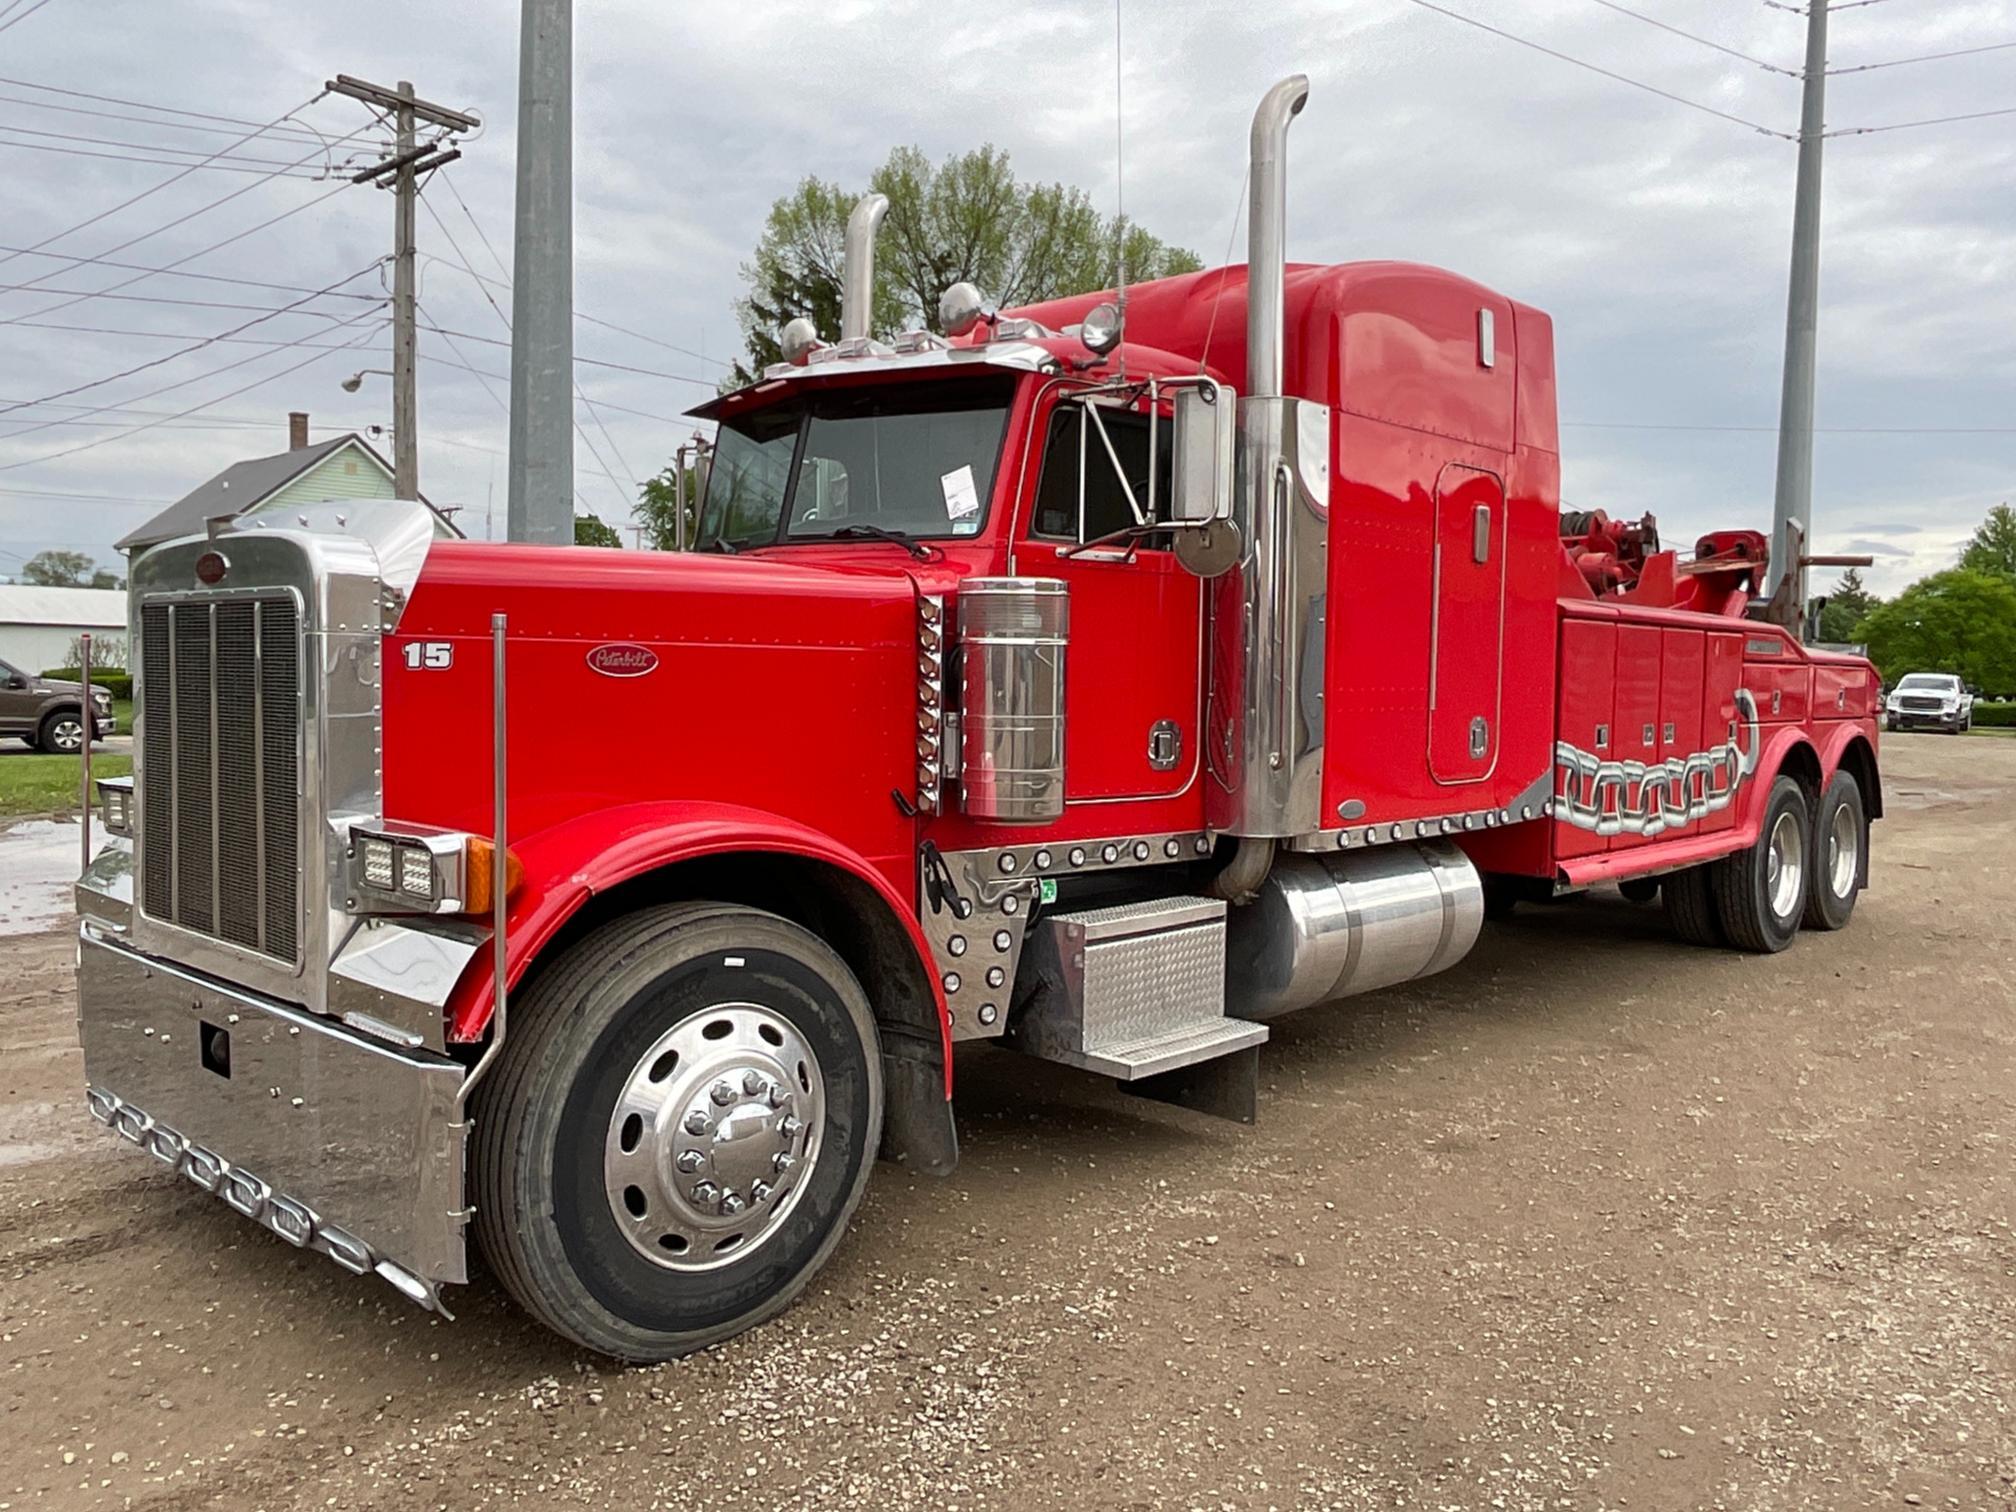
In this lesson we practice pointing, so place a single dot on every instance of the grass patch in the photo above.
(32, 784)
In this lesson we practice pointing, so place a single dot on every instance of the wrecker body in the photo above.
(1105, 680)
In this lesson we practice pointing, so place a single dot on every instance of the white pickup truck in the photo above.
(1929, 701)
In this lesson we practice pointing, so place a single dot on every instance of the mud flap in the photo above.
(917, 1125)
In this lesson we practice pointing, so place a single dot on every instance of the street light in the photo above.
(356, 380)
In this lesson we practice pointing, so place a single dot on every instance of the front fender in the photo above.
(568, 864)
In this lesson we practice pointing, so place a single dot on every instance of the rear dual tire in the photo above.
(677, 1130)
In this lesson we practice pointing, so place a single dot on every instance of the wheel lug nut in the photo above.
(759, 1190)
(705, 1191)
(776, 1095)
(697, 1122)
(782, 1163)
(752, 1082)
(732, 1203)
(789, 1127)
(691, 1161)
(723, 1093)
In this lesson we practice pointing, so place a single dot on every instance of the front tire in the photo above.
(61, 733)
(1841, 846)
(678, 1128)
(1760, 893)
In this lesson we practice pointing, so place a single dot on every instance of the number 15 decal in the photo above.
(428, 656)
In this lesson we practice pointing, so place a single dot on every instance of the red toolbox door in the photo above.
(1588, 690)
(1635, 737)
(1680, 692)
(1466, 641)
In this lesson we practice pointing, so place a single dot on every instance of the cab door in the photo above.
(1466, 638)
(1133, 669)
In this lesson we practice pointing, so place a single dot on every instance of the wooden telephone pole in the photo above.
(410, 158)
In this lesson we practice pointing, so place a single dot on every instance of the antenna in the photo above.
(1119, 188)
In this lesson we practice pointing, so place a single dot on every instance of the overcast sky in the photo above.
(1655, 234)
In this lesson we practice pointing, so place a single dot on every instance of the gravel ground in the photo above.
(1594, 1221)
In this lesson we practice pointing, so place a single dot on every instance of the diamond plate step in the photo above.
(1133, 990)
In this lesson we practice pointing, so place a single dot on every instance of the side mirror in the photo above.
(16, 682)
(1201, 466)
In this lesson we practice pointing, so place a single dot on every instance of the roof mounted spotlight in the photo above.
(961, 308)
(799, 340)
(1100, 329)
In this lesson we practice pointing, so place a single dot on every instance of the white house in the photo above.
(343, 467)
(38, 624)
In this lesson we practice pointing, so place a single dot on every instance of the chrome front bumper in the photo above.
(334, 1140)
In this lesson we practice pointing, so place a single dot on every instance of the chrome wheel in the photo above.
(65, 734)
(1785, 867)
(1844, 851)
(713, 1137)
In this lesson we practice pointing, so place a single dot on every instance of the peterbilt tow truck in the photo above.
(1101, 682)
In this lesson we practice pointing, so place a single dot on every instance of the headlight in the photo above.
(411, 869)
(416, 871)
(376, 864)
(115, 802)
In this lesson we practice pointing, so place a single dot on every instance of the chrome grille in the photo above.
(220, 768)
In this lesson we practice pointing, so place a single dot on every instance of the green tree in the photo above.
(1958, 621)
(968, 218)
(591, 530)
(658, 509)
(59, 569)
(1847, 606)
(1993, 548)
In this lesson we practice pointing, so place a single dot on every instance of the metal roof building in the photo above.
(38, 624)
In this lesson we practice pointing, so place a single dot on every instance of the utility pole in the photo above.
(1792, 512)
(540, 502)
(409, 160)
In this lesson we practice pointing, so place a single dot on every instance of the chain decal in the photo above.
(1634, 798)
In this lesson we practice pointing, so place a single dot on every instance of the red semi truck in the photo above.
(1104, 684)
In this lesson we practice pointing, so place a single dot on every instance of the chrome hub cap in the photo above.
(67, 734)
(1785, 866)
(713, 1136)
(1844, 852)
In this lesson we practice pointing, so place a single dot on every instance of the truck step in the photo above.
(1134, 990)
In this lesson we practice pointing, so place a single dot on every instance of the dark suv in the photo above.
(49, 715)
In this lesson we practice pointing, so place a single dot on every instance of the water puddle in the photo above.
(38, 866)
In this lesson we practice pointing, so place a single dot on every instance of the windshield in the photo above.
(1931, 681)
(918, 461)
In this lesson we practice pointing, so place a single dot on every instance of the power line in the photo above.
(620, 367)
(57, 493)
(1772, 430)
(315, 356)
(301, 133)
(266, 171)
(208, 158)
(191, 257)
(1790, 73)
(193, 347)
(505, 283)
(17, 20)
(165, 299)
(1962, 52)
(1606, 73)
(106, 262)
(1976, 115)
(135, 199)
(169, 388)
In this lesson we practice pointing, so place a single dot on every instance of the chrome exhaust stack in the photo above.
(1267, 703)
(857, 275)
(1267, 234)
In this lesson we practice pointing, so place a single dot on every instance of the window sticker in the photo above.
(962, 498)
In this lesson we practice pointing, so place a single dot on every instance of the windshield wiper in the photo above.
(877, 533)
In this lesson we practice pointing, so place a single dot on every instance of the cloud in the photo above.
(1654, 234)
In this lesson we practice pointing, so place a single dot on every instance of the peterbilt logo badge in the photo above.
(623, 659)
